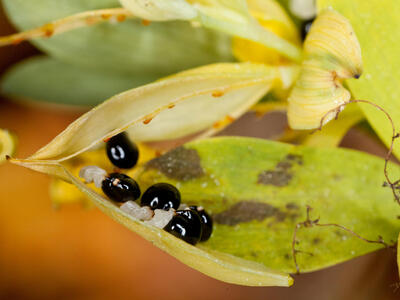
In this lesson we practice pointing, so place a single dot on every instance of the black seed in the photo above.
(195, 220)
(120, 187)
(305, 28)
(122, 152)
(161, 196)
(186, 225)
(206, 223)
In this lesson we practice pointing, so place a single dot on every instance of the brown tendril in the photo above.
(308, 223)
(394, 185)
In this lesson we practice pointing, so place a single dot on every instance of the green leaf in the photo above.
(376, 24)
(161, 48)
(49, 80)
(257, 191)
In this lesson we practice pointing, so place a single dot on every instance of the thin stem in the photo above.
(69, 23)
(394, 185)
(310, 223)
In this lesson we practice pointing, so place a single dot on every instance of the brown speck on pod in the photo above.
(48, 30)
(17, 41)
(146, 22)
(217, 94)
(224, 122)
(171, 106)
(105, 16)
(91, 20)
(147, 121)
(121, 18)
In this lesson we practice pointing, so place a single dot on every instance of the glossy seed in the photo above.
(206, 223)
(305, 28)
(122, 153)
(120, 187)
(186, 225)
(161, 196)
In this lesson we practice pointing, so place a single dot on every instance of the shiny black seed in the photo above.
(186, 225)
(122, 152)
(195, 221)
(206, 223)
(305, 28)
(161, 196)
(120, 187)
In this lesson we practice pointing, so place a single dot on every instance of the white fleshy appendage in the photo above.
(135, 210)
(93, 174)
(161, 217)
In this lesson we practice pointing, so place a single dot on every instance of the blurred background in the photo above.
(76, 253)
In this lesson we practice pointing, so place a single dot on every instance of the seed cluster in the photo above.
(160, 205)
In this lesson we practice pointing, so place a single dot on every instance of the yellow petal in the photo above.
(273, 17)
(7, 144)
(332, 53)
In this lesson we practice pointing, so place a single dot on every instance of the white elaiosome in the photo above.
(161, 217)
(133, 209)
(93, 174)
(304, 9)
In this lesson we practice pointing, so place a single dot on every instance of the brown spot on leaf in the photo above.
(180, 163)
(246, 211)
(316, 241)
(281, 175)
(292, 206)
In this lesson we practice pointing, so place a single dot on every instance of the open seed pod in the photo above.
(254, 189)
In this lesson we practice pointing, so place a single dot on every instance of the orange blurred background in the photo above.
(73, 253)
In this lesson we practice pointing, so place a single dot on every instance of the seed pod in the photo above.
(332, 53)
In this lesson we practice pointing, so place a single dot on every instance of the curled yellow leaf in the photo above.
(332, 54)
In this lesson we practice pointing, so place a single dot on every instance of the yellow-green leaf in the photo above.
(376, 24)
(257, 191)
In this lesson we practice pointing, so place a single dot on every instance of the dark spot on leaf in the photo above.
(254, 254)
(180, 163)
(287, 256)
(246, 211)
(275, 177)
(316, 241)
(292, 206)
(281, 175)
